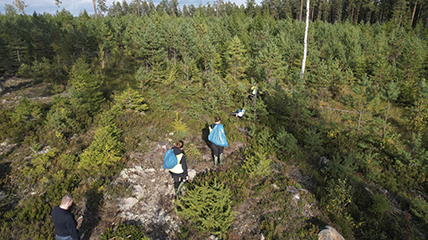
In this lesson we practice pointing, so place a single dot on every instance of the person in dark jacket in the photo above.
(64, 222)
(217, 151)
(179, 172)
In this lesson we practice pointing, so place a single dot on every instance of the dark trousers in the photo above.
(217, 150)
(63, 238)
(178, 178)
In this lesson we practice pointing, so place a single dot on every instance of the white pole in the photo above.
(306, 40)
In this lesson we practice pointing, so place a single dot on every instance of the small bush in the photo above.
(179, 127)
(208, 207)
(125, 231)
(380, 205)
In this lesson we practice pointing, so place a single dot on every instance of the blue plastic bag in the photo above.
(169, 160)
(217, 136)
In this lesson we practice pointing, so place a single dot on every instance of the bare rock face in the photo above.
(150, 201)
(329, 233)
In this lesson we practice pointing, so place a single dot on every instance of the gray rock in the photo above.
(293, 190)
(323, 161)
(191, 173)
(329, 233)
(128, 203)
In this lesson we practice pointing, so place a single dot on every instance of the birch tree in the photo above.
(306, 39)
(20, 6)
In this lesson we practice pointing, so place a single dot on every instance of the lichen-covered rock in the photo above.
(329, 233)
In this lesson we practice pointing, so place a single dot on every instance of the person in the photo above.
(64, 222)
(179, 172)
(239, 113)
(254, 91)
(217, 151)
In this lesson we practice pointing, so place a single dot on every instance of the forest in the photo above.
(354, 125)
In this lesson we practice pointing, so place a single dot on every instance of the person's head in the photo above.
(217, 119)
(66, 201)
(179, 144)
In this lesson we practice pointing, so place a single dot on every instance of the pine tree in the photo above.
(270, 60)
(102, 7)
(149, 47)
(236, 61)
(363, 101)
(389, 93)
(186, 46)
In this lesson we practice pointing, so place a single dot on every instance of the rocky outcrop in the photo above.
(329, 233)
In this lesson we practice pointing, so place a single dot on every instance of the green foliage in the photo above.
(60, 119)
(419, 207)
(342, 167)
(286, 143)
(85, 90)
(338, 197)
(37, 170)
(179, 127)
(201, 65)
(236, 60)
(380, 205)
(363, 100)
(131, 99)
(313, 141)
(258, 160)
(193, 152)
(106, 149)
(125, 231)
(25, 111)
(209, 207)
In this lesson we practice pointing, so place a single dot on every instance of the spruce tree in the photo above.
(85, 91)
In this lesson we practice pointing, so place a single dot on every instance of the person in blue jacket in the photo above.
(217, 151)
(63, 219)
(179, 172)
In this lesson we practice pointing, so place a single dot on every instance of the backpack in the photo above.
(217, 136)
(169, 160)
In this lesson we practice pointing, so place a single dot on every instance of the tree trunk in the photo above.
(358, 13)
(217, 8)
(360, 115)
(312, 14)
(386, 119)
(306, 39)
(19, 57)
(319, 10)
(419, 15)
(138, 8)
(413, 15)
(301, 10)
(95, 8)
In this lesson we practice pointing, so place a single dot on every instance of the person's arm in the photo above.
(184, 165)
(71, 225)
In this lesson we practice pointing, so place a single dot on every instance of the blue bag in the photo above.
(217, 136)
(169, 160)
